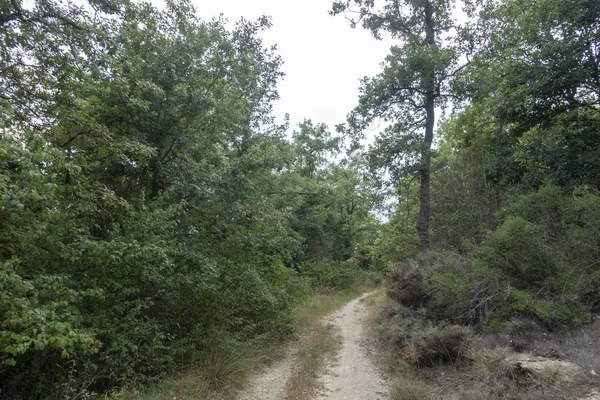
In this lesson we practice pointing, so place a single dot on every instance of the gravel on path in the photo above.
(353, 375)
(269, 384)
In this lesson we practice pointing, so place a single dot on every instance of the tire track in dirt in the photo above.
(353, 375)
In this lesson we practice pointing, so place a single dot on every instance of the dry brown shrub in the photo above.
(404, 285)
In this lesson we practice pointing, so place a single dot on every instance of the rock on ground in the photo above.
(542, 367)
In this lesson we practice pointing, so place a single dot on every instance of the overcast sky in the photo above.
(323, 57)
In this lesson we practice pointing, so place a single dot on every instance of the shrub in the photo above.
(330, 274)
(465, 294)
(407, 280)
(554, 313)
(442, 344)
(517, 249)
(421, 342)
(404, 285)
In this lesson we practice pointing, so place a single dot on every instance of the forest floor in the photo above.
(346, 371)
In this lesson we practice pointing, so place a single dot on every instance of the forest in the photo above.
(153, 213)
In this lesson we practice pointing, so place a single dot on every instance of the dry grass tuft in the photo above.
(411, 389)
(224, 369)
(315, 349)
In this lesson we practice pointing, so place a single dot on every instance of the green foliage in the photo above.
(554, 313)
(332, 275)
(533, 84)
(514, 188)
(517, 249)
(416, 78)
(148, 204)
(536, 264)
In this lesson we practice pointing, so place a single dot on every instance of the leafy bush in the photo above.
(517, 249)
(330, 274)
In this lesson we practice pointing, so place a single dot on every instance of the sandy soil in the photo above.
(353, 375)
(269, 384)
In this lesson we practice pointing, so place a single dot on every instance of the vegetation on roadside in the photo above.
(221, 374)
(501, 300)
(319, 341)
(154, 219)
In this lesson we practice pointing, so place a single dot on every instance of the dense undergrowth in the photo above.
(455, 319)
(154, 219)
(223, 372)
(512, 277)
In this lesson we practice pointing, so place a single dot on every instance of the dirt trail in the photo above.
(269, 384)
(353, 376)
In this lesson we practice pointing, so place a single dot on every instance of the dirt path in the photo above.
(269, 384)
(353, 376)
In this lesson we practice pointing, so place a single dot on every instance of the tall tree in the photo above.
(416, 78)
(537, 81)
(47, 47)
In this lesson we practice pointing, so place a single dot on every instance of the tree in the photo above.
(535, 93)
(416, 78)
(47, 47)
(313, 143)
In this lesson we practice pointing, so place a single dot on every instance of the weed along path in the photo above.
(352, 375)
(329, 363)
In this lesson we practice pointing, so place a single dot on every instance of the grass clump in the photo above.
(218, 372)
(321, 343)
(224, 369)
(411, 389)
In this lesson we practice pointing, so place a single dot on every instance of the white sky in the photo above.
(323, 57)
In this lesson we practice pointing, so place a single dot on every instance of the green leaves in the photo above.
(144, 191)
(40, 314)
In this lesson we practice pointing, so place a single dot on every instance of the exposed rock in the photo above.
(535, 367)
(593, 395)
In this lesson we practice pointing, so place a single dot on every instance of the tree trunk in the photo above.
(425, 171)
